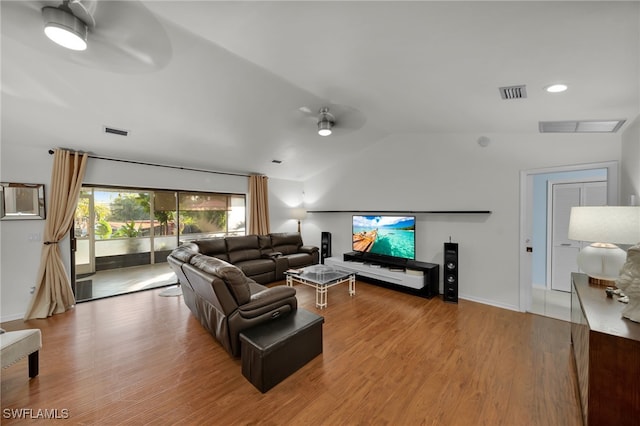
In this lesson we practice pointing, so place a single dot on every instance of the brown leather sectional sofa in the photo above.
(263, 258)
(218, 279)
(223, 299)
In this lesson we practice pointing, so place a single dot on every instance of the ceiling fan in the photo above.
(333, 118)
(120, 36)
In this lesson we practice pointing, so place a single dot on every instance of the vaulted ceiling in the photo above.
(231, 86)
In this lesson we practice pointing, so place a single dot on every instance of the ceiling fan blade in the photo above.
(128, 37)
(347, 118)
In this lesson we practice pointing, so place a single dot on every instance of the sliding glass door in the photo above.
(123, 236)
(206, 215)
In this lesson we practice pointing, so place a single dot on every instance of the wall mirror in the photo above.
(20, 201)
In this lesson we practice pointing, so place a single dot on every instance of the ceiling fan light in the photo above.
(325, 122)
(64, 28)
(324, 127)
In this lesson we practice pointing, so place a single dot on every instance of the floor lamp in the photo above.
(299, 214)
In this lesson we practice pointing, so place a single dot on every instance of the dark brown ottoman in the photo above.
(274, 350)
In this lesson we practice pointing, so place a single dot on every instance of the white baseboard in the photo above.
(489, 302)
(13, 317)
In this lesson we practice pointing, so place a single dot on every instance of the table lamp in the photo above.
(604, 227)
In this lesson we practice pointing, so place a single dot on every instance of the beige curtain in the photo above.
(259, 207)
(53, 294)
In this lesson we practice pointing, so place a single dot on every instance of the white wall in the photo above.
(285, 195)
(20, 257)
(630, 175)
(450, 172)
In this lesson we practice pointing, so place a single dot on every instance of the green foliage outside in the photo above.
(128, 230)
(127, 208)
(103, 229)
(163, 217)
(193, 222)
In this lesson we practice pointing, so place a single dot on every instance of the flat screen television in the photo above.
(385, 235)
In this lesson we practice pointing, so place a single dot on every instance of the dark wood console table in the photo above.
(606, 348)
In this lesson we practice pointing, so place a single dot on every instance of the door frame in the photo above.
(526, 202)
(89, 268)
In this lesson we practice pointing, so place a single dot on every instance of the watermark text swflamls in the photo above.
(35, 413)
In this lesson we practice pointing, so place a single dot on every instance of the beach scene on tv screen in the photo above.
(386, 235)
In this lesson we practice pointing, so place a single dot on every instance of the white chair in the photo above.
(15, 345)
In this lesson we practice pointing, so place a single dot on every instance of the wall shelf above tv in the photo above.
(404, 211)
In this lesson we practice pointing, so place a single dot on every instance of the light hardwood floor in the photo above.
(389, 359)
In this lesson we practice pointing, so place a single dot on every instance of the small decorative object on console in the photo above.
(629, 283)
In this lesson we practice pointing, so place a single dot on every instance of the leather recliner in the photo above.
(263, 258)
(224, 299)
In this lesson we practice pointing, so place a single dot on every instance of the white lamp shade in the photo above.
(299, 213)
(605, 224)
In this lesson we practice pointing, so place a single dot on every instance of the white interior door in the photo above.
(563, 251)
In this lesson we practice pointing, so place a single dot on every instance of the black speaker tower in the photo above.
(450, 272)
(325, 246)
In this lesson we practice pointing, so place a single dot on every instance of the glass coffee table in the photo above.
(321, 277)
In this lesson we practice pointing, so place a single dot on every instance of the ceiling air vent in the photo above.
(115, 131)
(585, 126)
(513, 92)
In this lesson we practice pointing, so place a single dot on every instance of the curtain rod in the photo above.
(96, 157)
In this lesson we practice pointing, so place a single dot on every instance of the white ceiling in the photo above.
(218, 85)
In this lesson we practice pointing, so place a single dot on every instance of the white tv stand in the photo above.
(411, 276)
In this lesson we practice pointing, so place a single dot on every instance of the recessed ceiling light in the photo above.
(556, 88)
